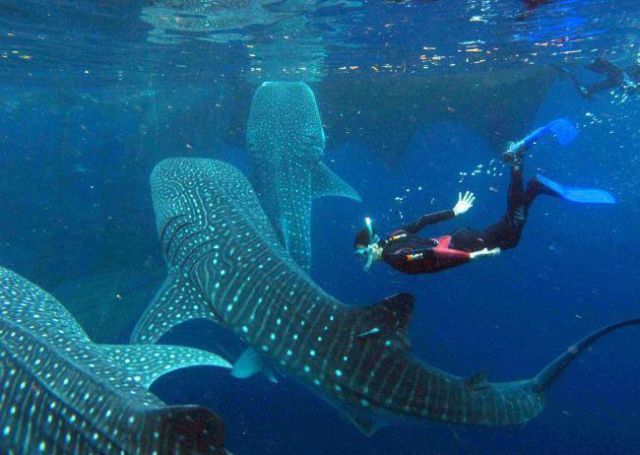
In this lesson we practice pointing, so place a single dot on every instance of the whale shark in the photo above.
(64, 394)
(225, 263)
(286, 141)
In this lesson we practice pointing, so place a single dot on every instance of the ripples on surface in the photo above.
(92, 43)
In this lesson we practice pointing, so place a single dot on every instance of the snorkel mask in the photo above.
(368, 253)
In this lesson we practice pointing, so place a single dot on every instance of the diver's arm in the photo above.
(465, 202)
(426, 220)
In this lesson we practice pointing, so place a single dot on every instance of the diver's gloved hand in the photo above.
(464, 203)
(484, 253)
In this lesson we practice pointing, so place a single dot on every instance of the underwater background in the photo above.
(418, 99)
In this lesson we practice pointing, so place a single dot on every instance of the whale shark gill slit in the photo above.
(166, 245)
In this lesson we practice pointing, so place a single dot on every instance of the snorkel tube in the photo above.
(368, 251)
(369, 225)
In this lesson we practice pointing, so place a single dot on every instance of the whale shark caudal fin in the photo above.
(146, 363)
(327, 183)
(550, 373)
(175, 302)
(187, 429)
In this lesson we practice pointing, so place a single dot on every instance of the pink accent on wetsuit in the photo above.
(446, 257)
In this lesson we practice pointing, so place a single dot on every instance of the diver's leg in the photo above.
(607, 84)
(505, 233)
(468, 240)
(516, 195)
(603, 66)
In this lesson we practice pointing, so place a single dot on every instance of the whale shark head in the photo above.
(284, 120)
(286, 142)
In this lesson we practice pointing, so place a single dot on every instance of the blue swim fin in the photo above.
(574, 194)
(562, 130)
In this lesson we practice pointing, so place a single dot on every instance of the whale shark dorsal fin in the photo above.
(477, 381)
(249, 364)
(145, 362)
(386, 321)
(176, 302)
(327, 183)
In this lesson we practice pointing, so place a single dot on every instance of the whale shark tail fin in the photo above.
(550, 373)
(327, 183)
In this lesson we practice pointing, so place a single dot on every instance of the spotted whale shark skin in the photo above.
(225, 263)
(64, 394)
(286, 142)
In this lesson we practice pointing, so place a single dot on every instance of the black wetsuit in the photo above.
(410, 253)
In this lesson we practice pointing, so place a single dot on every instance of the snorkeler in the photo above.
(408, 252)
(627, 80)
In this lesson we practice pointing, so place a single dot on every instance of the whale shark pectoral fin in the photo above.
(386, 321)
(147, 362)
(250, 363)
(477, 381)
(366, 425)
(175, 302)
(327, 183)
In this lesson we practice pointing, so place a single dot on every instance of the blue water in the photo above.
(91, 103)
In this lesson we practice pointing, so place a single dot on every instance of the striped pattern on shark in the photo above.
(226, 264)
(286, 142)
(64, 394)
